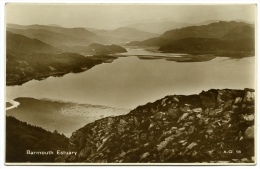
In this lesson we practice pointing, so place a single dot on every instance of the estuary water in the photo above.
(129, 81)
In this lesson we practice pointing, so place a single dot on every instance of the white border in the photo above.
(2, 73)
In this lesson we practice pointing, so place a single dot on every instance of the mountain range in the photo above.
(126, 33)
(38, 51)
(68, 37)
(29, 58)
(218, 37)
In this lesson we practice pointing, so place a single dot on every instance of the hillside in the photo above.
(213, 30)
(99, 49)
(19, 44)
(236, 48)
(23, 68)
(222, 38)
(21, 137)
(211, 127)
(240, 32)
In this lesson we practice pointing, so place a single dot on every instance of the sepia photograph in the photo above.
(130, 84)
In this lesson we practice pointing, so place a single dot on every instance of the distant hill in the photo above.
(96, 48)
(240, 32)
(213, 30)
(158, 27)
(219, 37)
(157, 41)
(21, 137)
(210, 46)
(53, 38)
(126, 34)
(23, 68)
(69, 37)
(19, 44)
(29, 58)
(76, 32)
(56, 36)
(205, 22)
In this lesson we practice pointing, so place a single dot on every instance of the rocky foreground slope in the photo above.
(214, 126)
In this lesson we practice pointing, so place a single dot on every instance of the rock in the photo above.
(191, 145)
(199, 116)
(209, 131)
(190, 118)
(210, 152)
(249, 96)
(228, 105)
(182, 141)
(238, 100)
(191, 129)
(250, 117)
(182, 129)
(186, 108)
(183, 117)
(176, 99)
(85, 152)
(143, 156)
(174, 128)
(225, 121)
(250, 133)
(162, 145)
(122, 154)
(194, 154)
(197, 110)
(215, 112)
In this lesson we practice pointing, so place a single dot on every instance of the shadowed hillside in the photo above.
(21, 137)
(19, 44)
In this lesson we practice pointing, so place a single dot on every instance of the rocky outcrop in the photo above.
(214, 126)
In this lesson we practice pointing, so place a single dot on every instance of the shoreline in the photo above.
(15, 104)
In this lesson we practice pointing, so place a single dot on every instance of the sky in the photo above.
(108, 16)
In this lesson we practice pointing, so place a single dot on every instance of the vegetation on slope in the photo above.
(21, 137)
